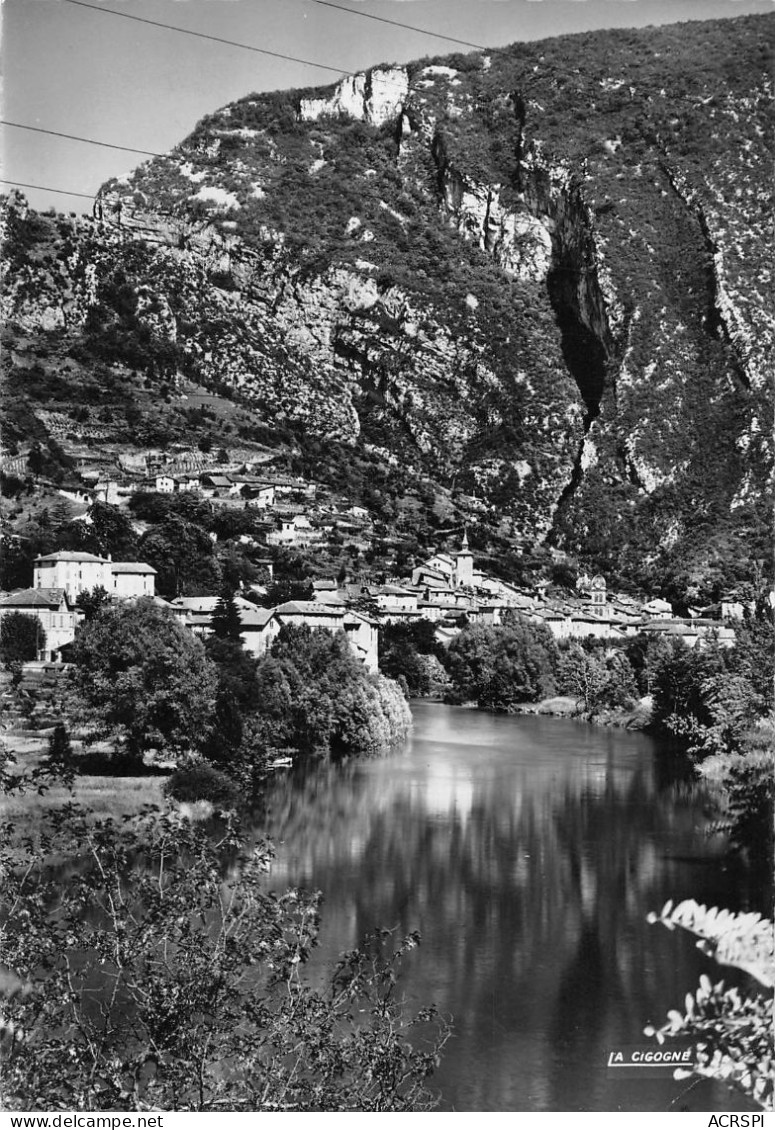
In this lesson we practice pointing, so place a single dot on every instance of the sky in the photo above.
(71, 68)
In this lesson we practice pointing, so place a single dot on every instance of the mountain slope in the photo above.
(541, 276)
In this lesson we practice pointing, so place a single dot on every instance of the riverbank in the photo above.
(566, 706)
(635, 718)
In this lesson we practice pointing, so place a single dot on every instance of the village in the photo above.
(447, 589)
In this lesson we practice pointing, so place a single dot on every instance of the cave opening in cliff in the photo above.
(582, 350)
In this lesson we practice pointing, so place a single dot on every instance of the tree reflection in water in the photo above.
(528, 852)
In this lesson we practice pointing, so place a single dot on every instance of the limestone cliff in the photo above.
(541, 275)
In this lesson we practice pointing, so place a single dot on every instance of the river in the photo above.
(527, 852)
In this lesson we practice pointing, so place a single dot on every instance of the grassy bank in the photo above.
(98, 796)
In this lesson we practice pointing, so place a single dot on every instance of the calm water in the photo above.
(527, 851)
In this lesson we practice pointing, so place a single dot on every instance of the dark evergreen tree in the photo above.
(226, 618)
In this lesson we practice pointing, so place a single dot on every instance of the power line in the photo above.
(214, 39)
(203, 35)
(396, 23)
(45, 188)
(86, 140)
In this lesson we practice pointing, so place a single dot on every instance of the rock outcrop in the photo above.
(544, 283)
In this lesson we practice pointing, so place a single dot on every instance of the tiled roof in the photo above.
(307, 608)
(196, 603)
(33, 598)
(130, 567)
(70, 555)
(255, 617)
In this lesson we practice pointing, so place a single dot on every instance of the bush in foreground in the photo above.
(164, 976)
(199, 781)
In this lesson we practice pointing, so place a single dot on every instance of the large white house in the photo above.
(58, 581)
(76, 571)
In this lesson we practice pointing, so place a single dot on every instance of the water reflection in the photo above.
(527, 851)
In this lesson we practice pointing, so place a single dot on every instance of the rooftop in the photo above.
(70, 555)
(307, 608)
(33, 598)
(131, 567)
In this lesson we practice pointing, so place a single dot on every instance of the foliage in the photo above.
(92, 601)
(144, 678)
(196, 780)
(21, 637)
(108, 533)
(732, 1034)
(183, 556)
(317, 699)
(59, 761)
(500, 667)
(747, 798)
(165, 976)
(682, 688)
(225, 621)
(287, 588)
(404, 651)
(235, 699)
(709, 696)
(669, 173)
(596, 678)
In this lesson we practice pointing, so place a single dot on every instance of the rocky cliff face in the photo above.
(541, 275)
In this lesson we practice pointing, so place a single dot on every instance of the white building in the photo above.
(75, 572)
(53, 611)
(132, 578)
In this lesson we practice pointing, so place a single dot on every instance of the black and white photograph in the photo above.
(387, 597)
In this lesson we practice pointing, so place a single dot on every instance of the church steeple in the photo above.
(464, 563)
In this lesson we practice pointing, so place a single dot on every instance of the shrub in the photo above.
(165, 976)
(200, 781)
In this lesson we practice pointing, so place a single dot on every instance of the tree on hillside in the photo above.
(108, 532)
(21, 637)
(16, 561)
(226, 618)
(144, 678)
(182, 554)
